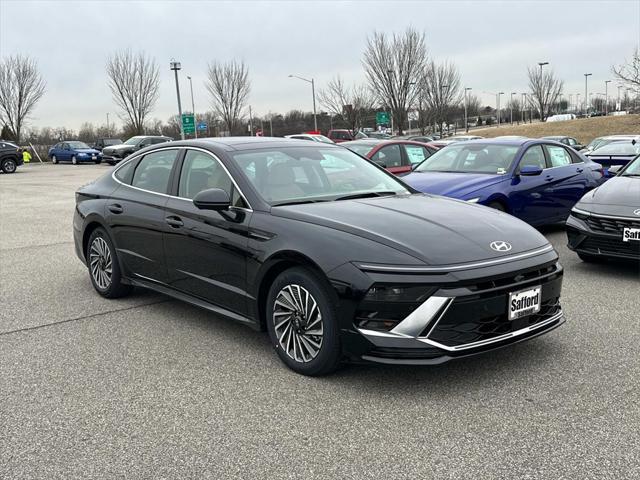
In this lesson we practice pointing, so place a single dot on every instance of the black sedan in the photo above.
(606, 222)
(333, 256)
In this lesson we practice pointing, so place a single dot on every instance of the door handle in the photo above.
(115, 208)
(579, 170)
(548, 178)
(175, 222)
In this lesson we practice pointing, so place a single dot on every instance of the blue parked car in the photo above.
(538, 181)
(74, 152)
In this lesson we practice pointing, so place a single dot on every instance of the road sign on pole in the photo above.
(202, 126)
(188, 123)
(382, 118)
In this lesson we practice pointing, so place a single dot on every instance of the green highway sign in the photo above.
(382, 118)
(188, 123)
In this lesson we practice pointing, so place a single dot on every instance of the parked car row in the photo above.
(108, 150)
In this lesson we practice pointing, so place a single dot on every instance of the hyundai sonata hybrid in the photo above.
(538, 181)
(606, 221)
(335, 257)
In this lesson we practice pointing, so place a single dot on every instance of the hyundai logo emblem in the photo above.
(500, 246)
(636, 211)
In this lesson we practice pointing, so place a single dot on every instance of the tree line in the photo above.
(399, 77)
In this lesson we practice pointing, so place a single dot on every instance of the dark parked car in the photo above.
(340, 135)
(332, 255)
(568, 141)
(115, 153)
(10, 156)
(106, 142)
(538, 181)
(75, 152)
(606, 221)
(618, 152)
(397, 156)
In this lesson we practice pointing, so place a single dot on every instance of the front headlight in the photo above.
(581, 214)
(473, 200)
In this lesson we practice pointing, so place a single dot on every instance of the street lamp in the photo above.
(175, 66)
(542, 64)
(522, 108)
(586, 93)
(466, 119)
(498, 105)
(606, 96)
(313, 93)
(193, 108)
(511, 105)
(108, 134)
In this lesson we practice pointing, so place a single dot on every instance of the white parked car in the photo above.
(310, 136)
(561, 118)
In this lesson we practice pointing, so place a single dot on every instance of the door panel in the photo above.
(569, 180)
(207, 250)
(530, 196)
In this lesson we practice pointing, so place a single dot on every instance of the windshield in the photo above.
(113, 141)
(360, 148)
(619, 148)
(633, 170)
(75, 145)
(133, 141)
(314, 173)
(471, 157)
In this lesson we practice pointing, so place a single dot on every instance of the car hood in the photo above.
(617, 196)
(120, 146)
(451, 184)
(435, 230)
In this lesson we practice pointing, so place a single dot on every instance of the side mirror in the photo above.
(530, 170)
(614, 169)
(212, 199)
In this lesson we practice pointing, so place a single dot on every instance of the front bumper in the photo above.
(601, 236)
(466, 316)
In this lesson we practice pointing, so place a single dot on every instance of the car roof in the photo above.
(554, 137)
(230, 144)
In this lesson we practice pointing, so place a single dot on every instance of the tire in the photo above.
(497, 206)
(74, 160)
(309, 351)
(98, 162)
(54, 160)
(103, 266)
(9, 165)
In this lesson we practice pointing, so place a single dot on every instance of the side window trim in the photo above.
(137, 161)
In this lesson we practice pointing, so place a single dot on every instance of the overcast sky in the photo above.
(492, 43)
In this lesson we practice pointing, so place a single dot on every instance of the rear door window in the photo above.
(558, 156)
(154, 171)
(389, 156)
(416, 153)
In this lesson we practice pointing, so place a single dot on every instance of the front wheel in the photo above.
(74, 160)
(497, 206)
(104, 269)
(302, 322)
(9, 165)
(54, 159)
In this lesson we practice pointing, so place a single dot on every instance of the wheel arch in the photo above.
(91, 224)
(501, 199)
(274, 266)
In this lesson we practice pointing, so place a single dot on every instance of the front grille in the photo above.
(611, 246)
(451, 331)
(483, 315)
(611, 225)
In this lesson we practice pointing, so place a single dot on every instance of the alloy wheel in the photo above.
(54, 159)
(9, 166)
(74, 160)
(298, 323)
(101, 263)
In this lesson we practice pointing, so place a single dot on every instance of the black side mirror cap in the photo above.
(212, 199)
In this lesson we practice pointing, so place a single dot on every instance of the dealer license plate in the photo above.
(631, 235)
(524, 302)
(93, 157)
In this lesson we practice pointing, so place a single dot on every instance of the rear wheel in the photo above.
(104, 269)
(9, 165)
(302, 322)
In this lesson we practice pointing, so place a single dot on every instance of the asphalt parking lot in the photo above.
(148, 387)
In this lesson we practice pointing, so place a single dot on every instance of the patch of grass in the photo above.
(583, 129)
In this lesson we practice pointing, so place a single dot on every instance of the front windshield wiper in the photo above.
(366, 195)
(297, 202)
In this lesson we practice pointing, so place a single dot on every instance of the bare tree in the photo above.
(545, 90)
(347, 103)
(21, 87)
(629, 73)
(440, 90)
(134, 82)
(393, 67)
(229, 86)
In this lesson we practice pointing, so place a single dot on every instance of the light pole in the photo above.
(108, 134)
(578, 106)
(193, 109)
(498, 105)
(466, 118)
(542, 64)
(606, 96)
(313, 93)
(586, 92)
(175, 66)
(511, 106)
(522, 108)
